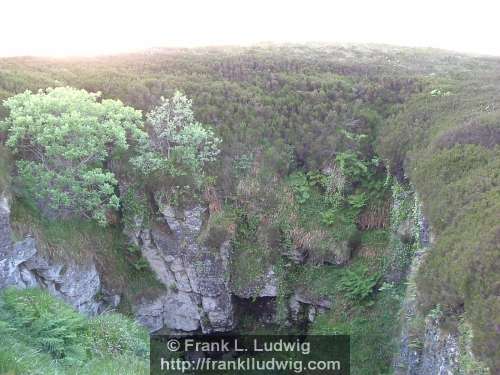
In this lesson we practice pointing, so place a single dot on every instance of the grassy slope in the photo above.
(41, 335)
(449, 144)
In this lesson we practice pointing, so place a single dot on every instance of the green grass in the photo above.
(42, 335)
(316, 281)
(373, 328)
(377, 238)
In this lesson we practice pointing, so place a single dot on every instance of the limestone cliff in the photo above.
(196, 276)
(22, 266)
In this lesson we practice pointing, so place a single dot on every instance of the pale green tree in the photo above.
(179, 143)
(62, 139)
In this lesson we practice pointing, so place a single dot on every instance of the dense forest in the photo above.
(310, 159)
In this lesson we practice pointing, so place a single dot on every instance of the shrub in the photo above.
(300, 186)
(113, 334)
(351, 165)
(179, 144)
(484, 132)
(62, 138)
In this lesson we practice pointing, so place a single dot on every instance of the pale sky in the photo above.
(87, 27)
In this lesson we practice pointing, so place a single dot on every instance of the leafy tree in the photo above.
(179, 144)
(62, 139)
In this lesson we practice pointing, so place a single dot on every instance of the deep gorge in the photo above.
(351, 195)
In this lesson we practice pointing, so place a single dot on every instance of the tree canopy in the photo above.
(63, 138)
(178, 142)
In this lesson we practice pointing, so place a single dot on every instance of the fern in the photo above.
(46, 336)
(358, 201)
(358, 284)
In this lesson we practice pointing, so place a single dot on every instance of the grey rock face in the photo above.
(13, 272)
(440, 351)
(78, 285)
(176, 311)
(408, 359)
(439, 354)
(196, 277)
(11, 257)
(9, 274)
(320, 302)
(5, 230)
(21, 266)
(437, 351)
(270, 288)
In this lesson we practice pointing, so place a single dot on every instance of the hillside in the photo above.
(337, 165)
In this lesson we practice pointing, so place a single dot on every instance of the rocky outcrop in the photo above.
(22, 266)
(196, 276)
(78, 285)
(441, 350)
(432, 351)
(259, 299)
(11, 257)
(408, 358)
(5, 230)
(303, 305)
(309, 247)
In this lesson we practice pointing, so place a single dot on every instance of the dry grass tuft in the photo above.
(375, 217)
